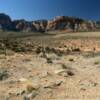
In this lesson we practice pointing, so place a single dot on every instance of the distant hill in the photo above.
(59, 23)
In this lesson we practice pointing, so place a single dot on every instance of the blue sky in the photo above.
(47, 9)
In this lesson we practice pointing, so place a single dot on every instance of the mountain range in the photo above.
(59, 23)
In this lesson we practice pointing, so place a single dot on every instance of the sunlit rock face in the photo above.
(39, 25)
(70, 23)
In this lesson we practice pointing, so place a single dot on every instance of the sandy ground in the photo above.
(72, 76)
(28, 69)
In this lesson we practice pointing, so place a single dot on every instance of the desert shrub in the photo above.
(71, 59)
(70, 73)
(39, 50)
(48, 50)
(76, 50)
(57, 52)
(19, 49)
(64, 66)
(96, 62)
(3, 74)
(49, 60)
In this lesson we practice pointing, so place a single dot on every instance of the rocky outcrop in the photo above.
(70, 24)
(40, 25)
(22, 25)
(59, 23)
(35, 26)
(5, 21)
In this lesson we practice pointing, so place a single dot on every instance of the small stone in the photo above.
(31, 87)
(23, 80)
(30, 96)
(58, 83)
(53, 85)
(20, 92)
(59, 71)
(64, 74)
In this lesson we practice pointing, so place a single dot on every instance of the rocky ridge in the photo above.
(59, 23)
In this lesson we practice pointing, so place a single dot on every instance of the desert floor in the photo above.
(54, 67)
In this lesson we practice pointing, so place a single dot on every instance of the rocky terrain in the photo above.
(59, 23)
(56, 59)
(50, 67)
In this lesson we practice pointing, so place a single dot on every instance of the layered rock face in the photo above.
(70, 24)
(40, 25)
(35, 26)
(59, 23)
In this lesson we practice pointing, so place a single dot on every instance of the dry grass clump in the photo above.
(96, 62)
(71, 59)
